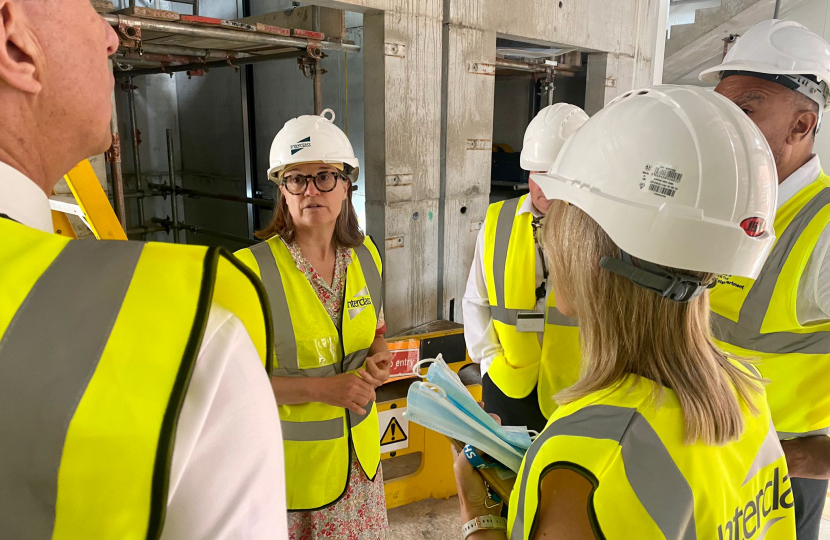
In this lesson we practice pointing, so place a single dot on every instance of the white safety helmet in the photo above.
(546, 134)
(677, 176)
(312, 138)
(798, 57)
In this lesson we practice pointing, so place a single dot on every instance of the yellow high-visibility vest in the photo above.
(509, 260)
(647, 482)
(757, 319)
(317, 436)
(98, 340)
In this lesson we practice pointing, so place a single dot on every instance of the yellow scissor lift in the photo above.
(90, 203)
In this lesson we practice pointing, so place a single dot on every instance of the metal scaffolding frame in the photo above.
(145, 49)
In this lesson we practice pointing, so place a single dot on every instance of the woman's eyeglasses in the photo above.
(296, 184)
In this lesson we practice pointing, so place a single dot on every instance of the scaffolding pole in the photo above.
(234, 63)
(318, 67)
(236, 36)
(114, 158)
(174, 203)
(531, 67)
(136, 143)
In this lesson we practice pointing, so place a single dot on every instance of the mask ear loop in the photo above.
(533, 434)
(436, 389)
(416, 369)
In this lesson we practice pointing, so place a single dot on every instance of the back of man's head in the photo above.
(55, 86)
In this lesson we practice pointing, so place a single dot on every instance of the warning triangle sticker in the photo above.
(393, 433)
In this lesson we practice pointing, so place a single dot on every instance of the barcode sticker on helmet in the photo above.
(661, 180)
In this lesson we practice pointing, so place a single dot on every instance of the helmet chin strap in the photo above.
(675, 286)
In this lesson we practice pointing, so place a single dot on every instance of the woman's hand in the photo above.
(345, 390)
(377, 368)
(472, 491)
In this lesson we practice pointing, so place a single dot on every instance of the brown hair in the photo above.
(624, 328)
(347, 231)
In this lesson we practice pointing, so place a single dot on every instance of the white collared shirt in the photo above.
(22, 200)
(813, 299)
(479, 333)
(226, 478)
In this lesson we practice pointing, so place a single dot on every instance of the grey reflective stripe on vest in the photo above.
(48, 355)
(783, 435)
(504, 228)
(313, 373)
(353, 362)
(374, 282)
(371, 275)
(769, 453)
(320, 430)
(556, 317)
(746, 333)
(650, 470)
(285, 343)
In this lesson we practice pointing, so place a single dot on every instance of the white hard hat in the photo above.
(546, 134)
(677, 176)
(311, 138)
(783, 48)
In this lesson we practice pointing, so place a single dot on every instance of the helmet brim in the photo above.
(660, 233)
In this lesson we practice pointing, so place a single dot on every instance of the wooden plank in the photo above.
(234, 25)
(332, 21)
(308, 34)
(205, 21)
(148, 13)
(275, 30)
(102, 6)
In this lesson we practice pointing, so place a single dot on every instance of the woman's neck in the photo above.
(315, 242)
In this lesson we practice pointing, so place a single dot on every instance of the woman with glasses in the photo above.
(323, 278)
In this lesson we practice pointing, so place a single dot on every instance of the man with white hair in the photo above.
(133, 399)
(778, 73)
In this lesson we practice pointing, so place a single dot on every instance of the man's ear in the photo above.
(803, 126)
(18, 49)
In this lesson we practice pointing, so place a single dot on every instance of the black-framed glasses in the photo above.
(296, 184)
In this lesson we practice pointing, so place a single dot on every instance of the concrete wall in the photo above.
(427, 260)
(419, 118)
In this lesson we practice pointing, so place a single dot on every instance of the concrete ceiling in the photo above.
(695, 47)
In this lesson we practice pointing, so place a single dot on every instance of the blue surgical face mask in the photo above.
(429, 406)
(442, 376)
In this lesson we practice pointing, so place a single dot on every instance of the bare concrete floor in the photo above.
(434, 519)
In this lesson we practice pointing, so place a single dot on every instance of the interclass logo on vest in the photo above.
(299, 145)
(747, 520)
(360, 302)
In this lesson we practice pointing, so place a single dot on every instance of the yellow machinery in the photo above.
(91, 205)
(417, 462)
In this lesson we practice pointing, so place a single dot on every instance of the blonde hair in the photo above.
(626, 329)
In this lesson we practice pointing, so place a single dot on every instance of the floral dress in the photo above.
(361, 513)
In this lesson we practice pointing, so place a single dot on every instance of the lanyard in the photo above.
(540, 290)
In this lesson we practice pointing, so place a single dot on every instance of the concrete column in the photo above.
(467, 112)
(402, 81)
